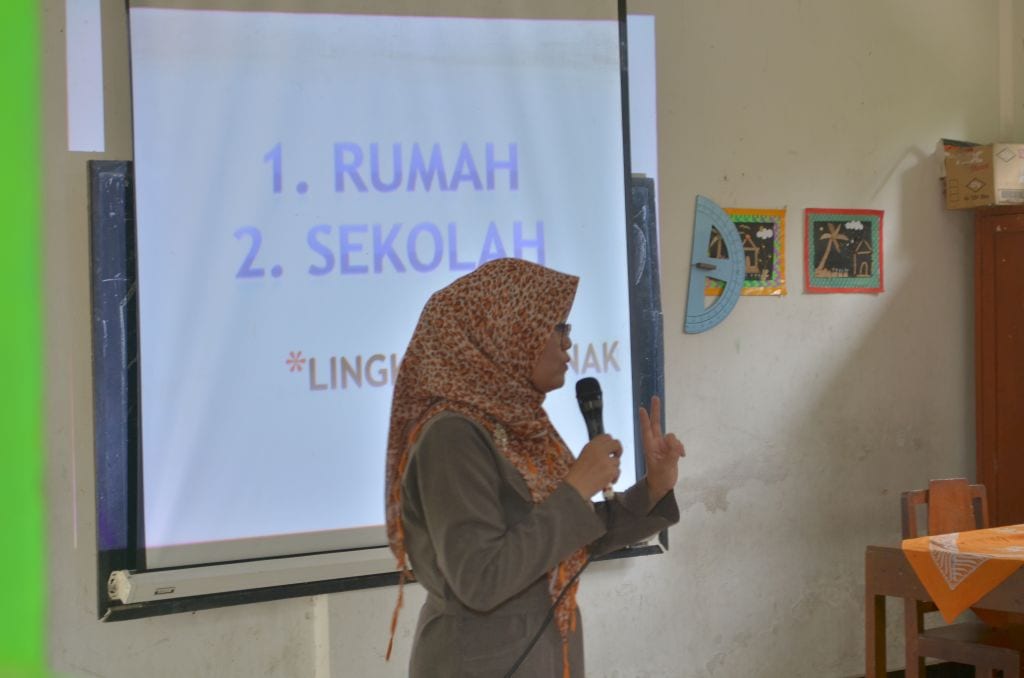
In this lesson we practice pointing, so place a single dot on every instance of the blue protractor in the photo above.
(730, 270)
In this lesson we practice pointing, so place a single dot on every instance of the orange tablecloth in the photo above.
(958, 569)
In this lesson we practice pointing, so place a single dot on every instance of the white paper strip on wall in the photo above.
(643, 99)
(85, 76)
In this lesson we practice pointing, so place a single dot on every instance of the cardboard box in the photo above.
(979, 176)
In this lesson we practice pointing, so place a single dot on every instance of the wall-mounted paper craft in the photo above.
(763, 235)
(709, 219)
(843, 250)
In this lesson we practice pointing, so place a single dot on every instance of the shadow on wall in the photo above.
(900, 409)
(897, 409)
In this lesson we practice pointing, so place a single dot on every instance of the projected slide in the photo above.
(304, 182)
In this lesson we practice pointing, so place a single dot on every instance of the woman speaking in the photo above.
(484, 499)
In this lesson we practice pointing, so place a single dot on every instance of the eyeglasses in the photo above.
(563, 329)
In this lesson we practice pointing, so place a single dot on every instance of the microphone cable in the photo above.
(588, 394)
(547, 620)
(551, 611)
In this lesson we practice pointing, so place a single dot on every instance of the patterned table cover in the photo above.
(958, 569)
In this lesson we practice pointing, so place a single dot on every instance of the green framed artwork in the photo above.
(763, 234)
(843, 250)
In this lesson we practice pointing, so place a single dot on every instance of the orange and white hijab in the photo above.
(473, 352)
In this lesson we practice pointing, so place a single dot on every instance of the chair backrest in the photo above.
(953, 506)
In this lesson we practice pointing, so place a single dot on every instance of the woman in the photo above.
(483, 497)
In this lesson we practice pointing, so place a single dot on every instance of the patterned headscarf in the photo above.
(473, 353)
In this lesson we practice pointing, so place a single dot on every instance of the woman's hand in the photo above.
(662, 452)
(596, 467)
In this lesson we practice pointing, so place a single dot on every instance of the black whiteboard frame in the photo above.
(116, 391)
(115, 352)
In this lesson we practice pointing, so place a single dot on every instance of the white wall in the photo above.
(803, 416)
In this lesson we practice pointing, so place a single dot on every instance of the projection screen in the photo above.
(307, 174)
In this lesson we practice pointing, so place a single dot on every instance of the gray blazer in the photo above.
(481, 548)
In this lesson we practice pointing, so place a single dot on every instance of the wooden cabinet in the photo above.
(999, 359)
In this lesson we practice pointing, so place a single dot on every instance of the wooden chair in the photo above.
(954, 506)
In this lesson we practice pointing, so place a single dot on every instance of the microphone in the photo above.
(588, 395)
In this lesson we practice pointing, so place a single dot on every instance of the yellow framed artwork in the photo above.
(763, 234)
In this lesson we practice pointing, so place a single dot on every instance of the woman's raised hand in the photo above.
(597, 466)
(661, 452)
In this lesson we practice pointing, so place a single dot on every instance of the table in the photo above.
(888, 573)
